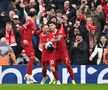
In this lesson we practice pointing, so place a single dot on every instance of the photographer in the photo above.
(79, 51)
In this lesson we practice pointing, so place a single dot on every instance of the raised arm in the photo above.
(25, 14)
(40, 11)
(93, 53)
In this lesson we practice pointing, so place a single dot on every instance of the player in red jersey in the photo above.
(27, 32)
(48, 53)
(61, 50)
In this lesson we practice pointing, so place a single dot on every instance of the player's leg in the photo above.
(30, 64)
(67, 63)
(30, 53)
(55, 73)
(44, 72)
(28, 75)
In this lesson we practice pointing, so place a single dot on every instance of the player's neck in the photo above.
(45, 33)
(54, 31)
(34, 19)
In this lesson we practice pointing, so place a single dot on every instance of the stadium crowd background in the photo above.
(84, 24)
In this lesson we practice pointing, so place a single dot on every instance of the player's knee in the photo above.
(32, 57)
(52, 69)
(67, 64)
(43, 68)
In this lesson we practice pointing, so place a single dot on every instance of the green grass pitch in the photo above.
(53, 87)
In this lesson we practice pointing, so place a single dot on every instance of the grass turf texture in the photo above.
(53, 87)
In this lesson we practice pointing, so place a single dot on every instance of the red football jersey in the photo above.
(27, 30)
(61, 52)
(61, 45)
(47, 55)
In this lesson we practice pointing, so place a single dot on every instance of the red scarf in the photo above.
(11, 38)
(91, 42)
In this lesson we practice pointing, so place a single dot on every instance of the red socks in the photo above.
(70, 70)
(44, 72)
(55, 73)
(29, 66)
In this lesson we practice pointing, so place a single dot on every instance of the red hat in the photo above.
(93, 28)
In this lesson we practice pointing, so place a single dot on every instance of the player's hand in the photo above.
(40, 2)
(52, 40)
(45, 20)
(18, 26)
(26, 24)
(25, 42)
(90, 58)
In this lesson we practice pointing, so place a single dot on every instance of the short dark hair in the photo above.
(52, 23)
(79, 34)
(43, 25)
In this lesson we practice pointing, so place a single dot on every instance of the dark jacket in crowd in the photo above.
(79, 55)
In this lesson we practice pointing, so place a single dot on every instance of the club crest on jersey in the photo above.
(52, 61)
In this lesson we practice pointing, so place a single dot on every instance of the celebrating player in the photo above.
(27, 32)
(48, 54)
(61, 50)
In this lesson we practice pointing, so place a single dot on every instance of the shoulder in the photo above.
(49, 33)
(40, 35)
(29, 20)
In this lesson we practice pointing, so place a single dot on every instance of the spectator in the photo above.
(96, 2)
(101, 15)
(69, 10)
(13, 38)
(84, 7)
(99, 49)
(98, 17)
(93, 37)
(23, 59)
(105, 30)
(7, 56)
(79, 51)
(105, 9)
(16, 22)
(3, 19)
(11, 14)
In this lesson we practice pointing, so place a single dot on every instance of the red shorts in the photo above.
(29, 49)
(51, 63)
(48, 58)
(47, 55)
(62, 58)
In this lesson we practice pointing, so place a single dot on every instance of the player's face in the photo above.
(52, 27)
(45, 28)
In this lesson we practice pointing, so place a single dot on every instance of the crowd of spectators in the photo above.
(84, 24)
